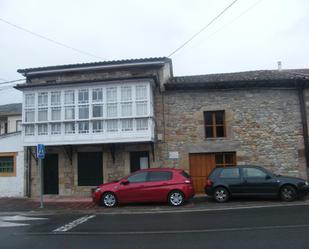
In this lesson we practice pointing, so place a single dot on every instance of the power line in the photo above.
(11, 81)
(205, 27)
(49, 39)
(235, 19)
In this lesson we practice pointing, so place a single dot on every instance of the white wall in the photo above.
(13, 185)
(12, 123)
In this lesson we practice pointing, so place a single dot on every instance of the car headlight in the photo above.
(306, 183)
(97, 190)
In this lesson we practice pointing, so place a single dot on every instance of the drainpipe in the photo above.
(303, 112)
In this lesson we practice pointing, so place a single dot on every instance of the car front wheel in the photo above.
(176, 198)
(221, 194)
(109, 200)
(288, 193)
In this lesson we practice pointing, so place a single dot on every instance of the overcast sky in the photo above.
(251, 35)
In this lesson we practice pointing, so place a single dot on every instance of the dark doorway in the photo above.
(51, 177)
(90, 168)
(139, 160)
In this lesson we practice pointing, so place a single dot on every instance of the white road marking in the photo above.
(74, 223)
(4, 220)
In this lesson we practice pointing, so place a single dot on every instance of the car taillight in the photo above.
(209, 183)
(187, 181)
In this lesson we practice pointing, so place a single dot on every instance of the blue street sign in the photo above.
(40, 151)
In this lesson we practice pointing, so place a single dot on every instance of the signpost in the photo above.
(40, 153)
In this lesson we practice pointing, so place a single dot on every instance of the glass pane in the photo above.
(29, 115)
(229, 158)
(219, 118)
(55, 129)
(6, 164)
(112, 125)
(56, 113)
(97, 95)
(111, 110)
(29, 130)
(127, 125)
(97, 126)
(83, 127)
(209, 131)
(126, 93)
(29, 100)
(55, 98)
(43, 99)
(219, 158)
(42, 115)
(229, 173)
(69, 112)
(42, 129)
(69, 128)
(141, 177)
(220, 131)
(83, 112)
(97, 111)
(208, 118)
(69, 97)
(160, 176)
(83, 96)
(253, 172)
(126, 109)
(142, 124)
(141, 92)
(111, 94)
(141, 108)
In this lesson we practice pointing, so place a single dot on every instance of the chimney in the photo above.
(279, 65)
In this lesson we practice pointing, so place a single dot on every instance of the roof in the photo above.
(114, 63)
(10, 109)
(287, 77)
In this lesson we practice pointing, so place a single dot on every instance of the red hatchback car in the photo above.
(148, 185)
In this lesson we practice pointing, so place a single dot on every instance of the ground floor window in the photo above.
(90, 168)
(7, 164)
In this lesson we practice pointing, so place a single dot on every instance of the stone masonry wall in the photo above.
(263, 127)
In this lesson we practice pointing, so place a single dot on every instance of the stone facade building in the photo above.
(101, 121)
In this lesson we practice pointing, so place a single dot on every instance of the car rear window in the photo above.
(159, 176)
(229, 173)
(185, 174)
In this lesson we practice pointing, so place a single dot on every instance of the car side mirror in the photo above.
(267, 177)
(125, 182)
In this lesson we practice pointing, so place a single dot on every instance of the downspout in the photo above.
(28, 171)
(303, 112)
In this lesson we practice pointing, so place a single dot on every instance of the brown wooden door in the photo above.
(200, 167)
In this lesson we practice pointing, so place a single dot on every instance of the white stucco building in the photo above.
(11, 152)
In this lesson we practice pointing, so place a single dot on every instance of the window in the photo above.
(141, 93)
(83, 111)
(111, 94)
(126, 109)
(126, 93)
(112, 125)
(29, 100)
(56, 113)
(69, 112)
(127, 125)
(69, 97)
(43, 99)
(140, 177)
(160, 176)
(97, 95)
(225, 159)
(141, 108)
(83, 96)
(142, 124)
(97, 126)
(83, 127)
(42, 114)
(254, 173)
(55, 128)
(29, 115)
(229, 173)
(214, 124)
(18, 125)
(29, 130)
(42, 129)
(97, 110)
(111, 110)
(55, 98)
(7, 164)
(69, 128)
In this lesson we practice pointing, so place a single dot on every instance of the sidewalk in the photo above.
(85, 205)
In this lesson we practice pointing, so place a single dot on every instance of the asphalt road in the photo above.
(252, 228)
